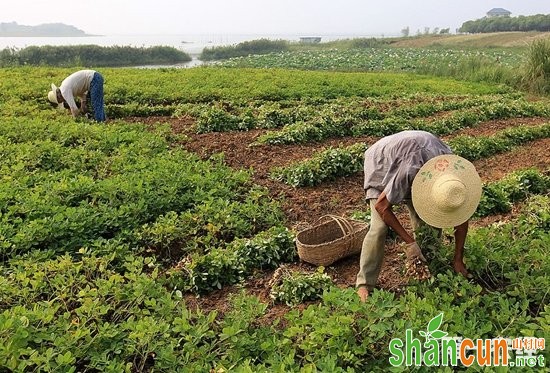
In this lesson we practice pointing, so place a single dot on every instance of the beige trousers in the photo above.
(372, 252)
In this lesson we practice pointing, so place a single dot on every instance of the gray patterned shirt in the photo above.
(392, 163)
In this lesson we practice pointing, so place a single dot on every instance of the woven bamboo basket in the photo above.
(330, 239)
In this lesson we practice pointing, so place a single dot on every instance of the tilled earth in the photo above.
(340, 197)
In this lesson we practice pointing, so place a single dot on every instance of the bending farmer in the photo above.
(80, 84)
(445, 191)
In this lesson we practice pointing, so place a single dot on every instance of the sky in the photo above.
(303, 17)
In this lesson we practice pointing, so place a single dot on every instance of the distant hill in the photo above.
(46, 29)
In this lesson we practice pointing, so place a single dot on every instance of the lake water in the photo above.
(191, 44)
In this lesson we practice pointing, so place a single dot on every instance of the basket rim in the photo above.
(357, 225)
(328, 252)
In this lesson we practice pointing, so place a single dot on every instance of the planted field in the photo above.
(164, 239)
(374, 59)
(484, 40)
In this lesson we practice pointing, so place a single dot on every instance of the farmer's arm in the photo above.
(69, 99)
(384, 209)
(83, 103)
(460, 238)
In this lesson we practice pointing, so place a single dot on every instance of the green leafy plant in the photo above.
(293, 288)
(230, 265)
(345, 161)
(323, 166)
(499, 196)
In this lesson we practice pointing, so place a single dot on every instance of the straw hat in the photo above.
(446, 191)
(52, 95)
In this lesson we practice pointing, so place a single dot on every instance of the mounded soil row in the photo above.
(340, 197)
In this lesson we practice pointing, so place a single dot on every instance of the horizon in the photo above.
(246, 17)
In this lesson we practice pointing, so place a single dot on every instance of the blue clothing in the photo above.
(96, 97)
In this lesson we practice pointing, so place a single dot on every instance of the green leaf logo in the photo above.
(432, 331)
(435, 323)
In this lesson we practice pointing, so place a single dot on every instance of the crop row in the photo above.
(224, 115)
(62, 313)
(326, 165)
(67, 185)
(152, 87)
(349, 160)
(232, 264)
(220, 266)
(343, 124)
(499, 196)
(328, 115)
(202, 270)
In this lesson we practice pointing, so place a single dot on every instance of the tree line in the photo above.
(539, 22)
(91, 55)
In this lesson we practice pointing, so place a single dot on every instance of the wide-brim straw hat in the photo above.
(446, 191)
(52, 95)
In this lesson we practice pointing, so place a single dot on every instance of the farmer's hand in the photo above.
(412, 250)
(363, 293)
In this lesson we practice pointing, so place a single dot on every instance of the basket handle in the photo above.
(302, 226)
(344, 224)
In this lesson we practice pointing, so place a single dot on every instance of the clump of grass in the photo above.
(359, 43)
(475, 68)
(260, 46)
(91, 55)
(536, 76)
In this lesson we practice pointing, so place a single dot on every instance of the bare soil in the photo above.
(341, 197)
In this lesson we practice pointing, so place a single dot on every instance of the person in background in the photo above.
(81, 84)
(438, 188)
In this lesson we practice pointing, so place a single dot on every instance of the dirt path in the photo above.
(492, 127)
(535, 154)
